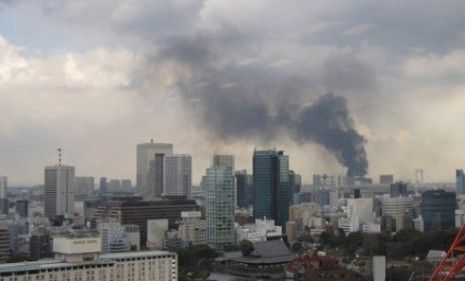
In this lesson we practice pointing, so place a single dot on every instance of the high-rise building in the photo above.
(220, 201)
(178, 175)
(103, 184)
(460, 180)
(244, 188)
(22, 208)
(271, 185)
(59, 191)
(84, 186)
(126, 185)
(361, 210)
(4, 242)
(295, 184)
(114, 185)
(399, 189)
(150, 161)
(438, 210)
(3, 187)
(192, 229)
(400, 209)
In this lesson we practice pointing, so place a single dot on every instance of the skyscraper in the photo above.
(244, 188)
(150, 160)
(271, 185)
(398, 189)
(59, 191)
(3, 187)
(438, 210)
(178, 175)
(220, 201)
(103, 184)
(84, 185)
(460, 180)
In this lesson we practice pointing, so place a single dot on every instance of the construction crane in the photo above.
(454, 261)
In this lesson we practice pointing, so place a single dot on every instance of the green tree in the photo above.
(297, 248)
(246, 247)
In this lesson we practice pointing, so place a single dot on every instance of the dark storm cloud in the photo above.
(258, 101)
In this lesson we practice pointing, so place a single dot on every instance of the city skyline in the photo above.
(99, 78)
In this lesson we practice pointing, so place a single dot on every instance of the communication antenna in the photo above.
(60, 154)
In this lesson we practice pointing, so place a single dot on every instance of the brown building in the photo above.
(319, 268)
(138, 212)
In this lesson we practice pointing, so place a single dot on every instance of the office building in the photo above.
(150, 170)
(460, 181)
(59, 191)
(132, 210)
(244, 189)
(103, 185)
(260, 231)
(438, 210)
(295, 184)
(80, 259)
(321, 197)
(178, 175)
(3, 187)
(398, 189)
(40, 245)
(4, 242)
(22, 208)
(271, 185)
(133, 234)
(386, 179)
(360, 210)
(400, 209)
(114, 185)
(113, 238)
(220, 201)
(192, 229)
(84, 186)
(156, 230)
(126, 185)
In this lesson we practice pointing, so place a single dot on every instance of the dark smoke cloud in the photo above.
(237, 101)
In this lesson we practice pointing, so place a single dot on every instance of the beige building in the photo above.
(192, 229)
(79, 259)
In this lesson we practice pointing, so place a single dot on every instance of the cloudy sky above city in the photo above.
(97, 77)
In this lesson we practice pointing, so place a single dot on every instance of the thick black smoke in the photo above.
(237, 101)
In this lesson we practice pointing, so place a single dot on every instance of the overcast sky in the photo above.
(97, 77)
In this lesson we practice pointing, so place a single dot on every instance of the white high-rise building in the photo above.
(178, 175)
(59, 191)
(3, 187)
(360, 209)
(150, 167)
(220, 201)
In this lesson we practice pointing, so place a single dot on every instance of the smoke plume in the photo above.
(242, 100)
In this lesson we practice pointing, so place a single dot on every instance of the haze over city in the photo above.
(97, 78)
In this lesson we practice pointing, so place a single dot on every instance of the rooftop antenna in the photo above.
(60, 154)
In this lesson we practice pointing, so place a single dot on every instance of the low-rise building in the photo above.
(78, 258)
(261, 230)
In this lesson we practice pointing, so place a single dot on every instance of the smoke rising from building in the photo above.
(237, 100)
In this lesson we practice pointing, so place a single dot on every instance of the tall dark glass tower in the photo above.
(438, 210)
(271, 185)
(244, 189)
